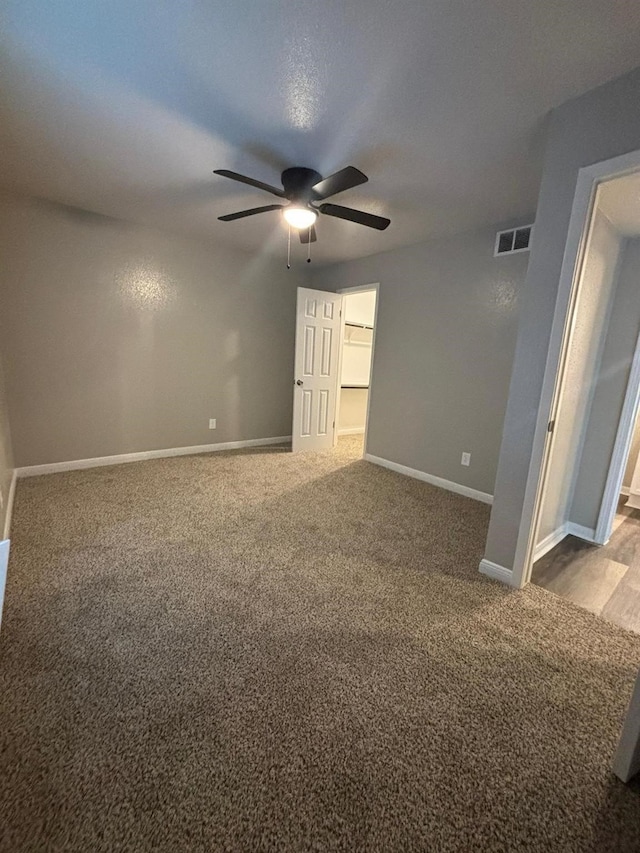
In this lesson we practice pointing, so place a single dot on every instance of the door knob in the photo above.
(299, 382)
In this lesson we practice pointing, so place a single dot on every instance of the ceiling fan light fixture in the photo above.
(300, 217)
(303, 188)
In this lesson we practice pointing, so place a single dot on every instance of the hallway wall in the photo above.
(597, 126)
(590, 331)
(610, 389)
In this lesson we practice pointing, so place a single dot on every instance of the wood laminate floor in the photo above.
(603, 579)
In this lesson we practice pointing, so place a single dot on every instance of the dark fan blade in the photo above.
(358, 216)
(231, 216)
(308, 235)
(244, 180)
(343, 180)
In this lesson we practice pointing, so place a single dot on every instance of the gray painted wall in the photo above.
(119, 339)
(6, 454)
(610, 390)
(593, 308)
(445, 335)
(602, 124)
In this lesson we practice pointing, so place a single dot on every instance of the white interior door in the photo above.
(318, 325)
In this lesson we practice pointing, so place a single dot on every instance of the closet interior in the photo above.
(358, 311)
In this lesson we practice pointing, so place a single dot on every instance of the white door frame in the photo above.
(359, 288)
(589, 177)
(620, 455)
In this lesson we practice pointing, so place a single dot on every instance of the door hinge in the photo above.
(551, 426)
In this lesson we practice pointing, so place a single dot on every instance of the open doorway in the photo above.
(359, 309)
(587, 532)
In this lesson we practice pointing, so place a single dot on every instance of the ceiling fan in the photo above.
(303, 188)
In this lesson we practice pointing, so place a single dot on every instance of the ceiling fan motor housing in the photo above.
(298, 182)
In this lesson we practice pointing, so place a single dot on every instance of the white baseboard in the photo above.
(566, 529)
(10, 499)
(497, 572)
(626, 763)
(99, 461)
(450, 486)
(587, 533)
(549, 542)
(4, 564)
(351, 431)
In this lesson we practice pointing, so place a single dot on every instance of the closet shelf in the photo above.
(354, 386)
(358, 325)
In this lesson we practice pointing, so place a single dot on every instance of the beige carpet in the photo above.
(252, 651)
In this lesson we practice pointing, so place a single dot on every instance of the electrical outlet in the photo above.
(466, 459)
(212, 423)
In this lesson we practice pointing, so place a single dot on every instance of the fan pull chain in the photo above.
(289, 250)
(309, 247)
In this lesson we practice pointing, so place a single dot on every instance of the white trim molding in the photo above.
(450, 486)
(351, 431)
(586, 533)
(498, 573)
(549, 542)
(359, 288)
(557, 535)
(4, 566)
(621, 448)
(123, 458)
(627, 759)
(9, 511)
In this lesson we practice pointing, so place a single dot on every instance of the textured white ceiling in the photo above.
(619, 199)
(125, 107)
